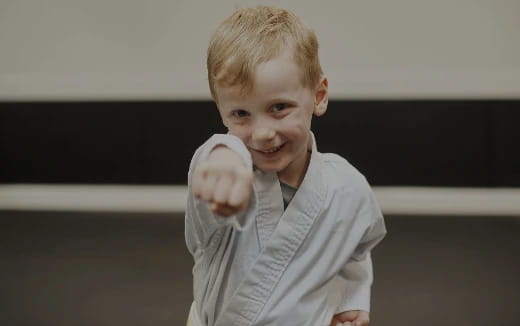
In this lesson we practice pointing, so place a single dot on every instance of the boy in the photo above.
(280, 233)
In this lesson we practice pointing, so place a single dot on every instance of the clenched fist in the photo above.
(224, 181)
(351, 318)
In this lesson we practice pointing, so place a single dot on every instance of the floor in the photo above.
(133, 269)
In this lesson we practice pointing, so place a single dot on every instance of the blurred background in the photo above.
(102, 104)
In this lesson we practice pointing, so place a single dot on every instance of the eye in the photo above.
(279, 107)
(240, 113)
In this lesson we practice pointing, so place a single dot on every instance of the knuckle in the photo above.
(203, 168)
(223, 170)
(207, 193)
(245, 174)
(197, 176)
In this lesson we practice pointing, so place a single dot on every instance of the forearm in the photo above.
(357, 277)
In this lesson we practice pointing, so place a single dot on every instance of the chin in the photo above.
(270, 168)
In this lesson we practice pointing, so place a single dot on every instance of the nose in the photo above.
(264, 132)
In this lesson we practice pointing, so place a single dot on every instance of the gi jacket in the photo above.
(294, 267)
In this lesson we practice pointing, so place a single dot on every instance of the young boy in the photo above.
(280, 233)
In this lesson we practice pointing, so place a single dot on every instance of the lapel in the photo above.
(247, 302)
(270, 204)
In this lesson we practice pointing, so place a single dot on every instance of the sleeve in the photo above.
(357, 273)
(201, 222)
(358, 276)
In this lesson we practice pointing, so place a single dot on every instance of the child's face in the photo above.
(274, 119)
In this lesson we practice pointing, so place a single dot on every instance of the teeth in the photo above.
(276, 149)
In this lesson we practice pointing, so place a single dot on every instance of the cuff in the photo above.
(356, 299)
(232, 142)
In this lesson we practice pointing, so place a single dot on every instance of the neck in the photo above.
(295, 176)
(295, 179)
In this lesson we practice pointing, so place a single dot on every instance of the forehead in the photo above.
(280, 77)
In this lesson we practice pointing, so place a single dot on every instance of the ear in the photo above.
(321, 99)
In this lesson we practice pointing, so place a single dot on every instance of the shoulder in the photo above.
(348, 190)
(342, 176)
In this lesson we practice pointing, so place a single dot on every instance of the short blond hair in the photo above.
(251, 36)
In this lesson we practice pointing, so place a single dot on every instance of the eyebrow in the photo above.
(276, 100)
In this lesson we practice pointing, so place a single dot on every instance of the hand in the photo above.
(351, 318)
(224, 181)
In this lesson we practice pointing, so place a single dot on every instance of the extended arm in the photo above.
(219, 188)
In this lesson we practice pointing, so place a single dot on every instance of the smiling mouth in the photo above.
(271, 150)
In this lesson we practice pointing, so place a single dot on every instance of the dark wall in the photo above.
(420, 142)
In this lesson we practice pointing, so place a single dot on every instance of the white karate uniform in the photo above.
(294, 267)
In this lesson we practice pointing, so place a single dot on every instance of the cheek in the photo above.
(241, 132)
(297, 125)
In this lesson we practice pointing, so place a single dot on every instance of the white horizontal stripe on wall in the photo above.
(172, 199)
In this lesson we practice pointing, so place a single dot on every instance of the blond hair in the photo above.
(251, 36)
